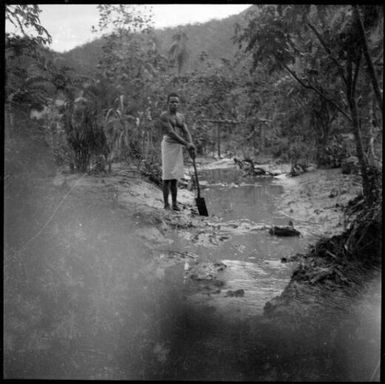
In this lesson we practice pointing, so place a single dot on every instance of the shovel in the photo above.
(200, 201)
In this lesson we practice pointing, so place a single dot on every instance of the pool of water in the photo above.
(234, 198)
(253, 257)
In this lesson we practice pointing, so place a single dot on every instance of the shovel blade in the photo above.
(201, 205)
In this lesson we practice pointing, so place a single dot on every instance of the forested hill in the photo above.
(213, 37)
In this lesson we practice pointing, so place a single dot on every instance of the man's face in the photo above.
(173, 103)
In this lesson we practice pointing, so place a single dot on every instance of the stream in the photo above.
(95, 302)
(225, 336)
(241, 241)
(221, 333)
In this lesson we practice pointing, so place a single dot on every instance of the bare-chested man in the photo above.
(175, 136)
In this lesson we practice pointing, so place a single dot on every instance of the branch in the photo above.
(8, 17)
(262, 120)
(327, 49)
(349, 83)
(221, 121)
(227, 121)
(20, 25)
(317, 91)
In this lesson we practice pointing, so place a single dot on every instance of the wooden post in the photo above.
(220, 122)
(262, 138)
(219, 141)
(254, 141)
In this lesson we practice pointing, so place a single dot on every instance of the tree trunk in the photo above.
(369, 62)
(143, 133)
(359, 148)
(369, 174)
(322, 142)
(9, 122)
(368, 185)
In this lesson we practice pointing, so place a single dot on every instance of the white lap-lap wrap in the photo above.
(172, 160)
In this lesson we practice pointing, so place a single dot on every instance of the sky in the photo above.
(70, 24)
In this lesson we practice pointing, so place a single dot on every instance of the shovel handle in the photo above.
(196, 176)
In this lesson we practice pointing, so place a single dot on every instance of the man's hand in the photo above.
(191, 149)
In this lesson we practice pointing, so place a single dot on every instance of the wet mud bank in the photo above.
(336, 288)
(322, 201)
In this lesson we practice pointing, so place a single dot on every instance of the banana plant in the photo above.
(119, 128)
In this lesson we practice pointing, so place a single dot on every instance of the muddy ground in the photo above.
(90, 289)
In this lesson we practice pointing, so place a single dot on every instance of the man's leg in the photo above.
(174, 192)
(166, 189)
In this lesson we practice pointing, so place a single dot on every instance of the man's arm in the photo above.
(167, 128)
(191, 146)
(187, 132)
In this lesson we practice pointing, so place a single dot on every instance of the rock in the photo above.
(296, 257)
(220, 266)
(237, 293)
(205, 271)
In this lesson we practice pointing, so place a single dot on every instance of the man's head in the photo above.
(173, 101)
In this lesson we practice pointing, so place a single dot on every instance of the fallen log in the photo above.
(288, 230)
(297, 169)
(249, 169)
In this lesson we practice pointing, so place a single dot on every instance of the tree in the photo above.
(83, 133)
(319, 46)
(26, 59)
(132, 65)
(26, 24)
(125, 49)
(178, 51)
(364, 44)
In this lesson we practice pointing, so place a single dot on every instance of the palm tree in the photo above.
(178, 51)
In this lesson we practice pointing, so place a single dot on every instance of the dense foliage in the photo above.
(322, 48)
(297, 82)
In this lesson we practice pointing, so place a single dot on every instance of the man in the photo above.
(175, 136)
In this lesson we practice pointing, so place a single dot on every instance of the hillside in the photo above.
(213, 37)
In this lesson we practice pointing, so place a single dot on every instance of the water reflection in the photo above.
(242, 198)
